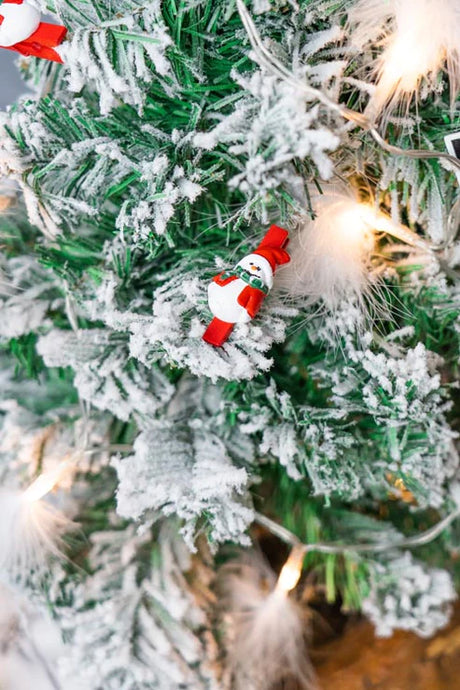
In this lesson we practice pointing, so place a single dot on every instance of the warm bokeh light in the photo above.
(381, 222)
(291, 571)
(356, 222)
(423, 42)
(46, 482)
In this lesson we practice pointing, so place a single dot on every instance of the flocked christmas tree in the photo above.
(139, 460)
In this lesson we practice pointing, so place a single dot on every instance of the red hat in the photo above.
(272, 247)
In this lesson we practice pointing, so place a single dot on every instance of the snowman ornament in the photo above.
(236, 296)
(22, 30)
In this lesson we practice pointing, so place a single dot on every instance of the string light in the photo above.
(333, 254)
(423, 40)
(352, 221)
(46, 482)
(278, 69)
(425, 537)
(356, 219)
(291, 570)
(366, 122)
(381, 222)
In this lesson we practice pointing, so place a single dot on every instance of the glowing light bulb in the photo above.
(357, 221)
(45, 483)
(425, 39)
(352, 223)
(291, 570)
(333, 254)
(404, 65)
(381, 222)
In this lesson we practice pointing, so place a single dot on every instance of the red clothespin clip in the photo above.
(22, 31)
(236, 296)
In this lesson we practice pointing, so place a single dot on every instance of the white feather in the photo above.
(30, 643)
(265, 629)
(419, 37)
(369, 21)
(30, 531)
(330, 255)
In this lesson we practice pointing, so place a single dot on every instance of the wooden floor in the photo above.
(357, 660)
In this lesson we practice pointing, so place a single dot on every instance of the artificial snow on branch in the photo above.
(407, 595)
(132, 627)
(103, 375)
(26, 294)
(119, 56)
(184, 125)
(184, 470)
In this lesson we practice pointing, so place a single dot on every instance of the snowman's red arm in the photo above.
(217, 332)
(41, 43)
(251, 299)
(217, 279)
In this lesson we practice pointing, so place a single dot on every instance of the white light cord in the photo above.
(420, 539)
(279, 70)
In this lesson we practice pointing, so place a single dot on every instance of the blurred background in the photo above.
(12, 85)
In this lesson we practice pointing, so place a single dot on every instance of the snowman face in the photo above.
(17, 23)
(258, 266)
